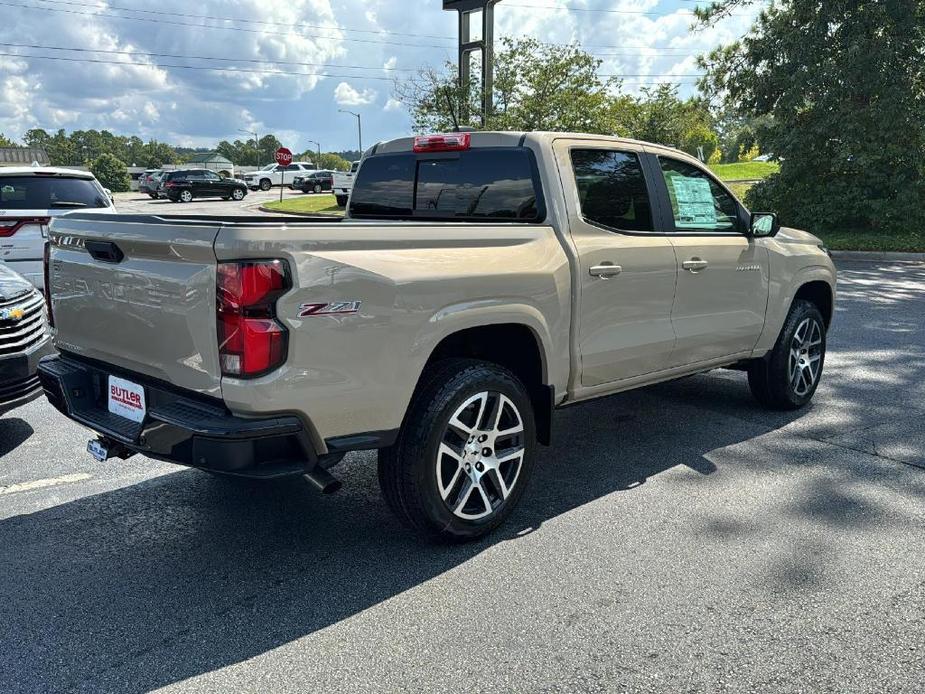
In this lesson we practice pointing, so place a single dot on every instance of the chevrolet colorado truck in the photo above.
(479, 282)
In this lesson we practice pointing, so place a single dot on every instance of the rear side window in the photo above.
(612, 189)
(698, 203)
(49, 192)
(482, 184)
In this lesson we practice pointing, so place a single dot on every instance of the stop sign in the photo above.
(283, 156)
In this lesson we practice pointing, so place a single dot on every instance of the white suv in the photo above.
(29, 197)
(276, 175)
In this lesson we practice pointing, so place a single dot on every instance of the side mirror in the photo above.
(763, 225)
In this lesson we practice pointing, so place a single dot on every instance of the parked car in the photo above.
(343, 184)
(275, 175)
(24, 339)
(316, 182)
(479, 282)
(149, 181)
(30, 196)
(183, 186)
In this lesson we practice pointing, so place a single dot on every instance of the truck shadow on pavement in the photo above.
(154, 583)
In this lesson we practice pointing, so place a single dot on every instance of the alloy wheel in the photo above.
(805, 359)
(480, 455)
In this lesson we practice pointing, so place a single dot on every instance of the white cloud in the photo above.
(345, 95)
(134, 93)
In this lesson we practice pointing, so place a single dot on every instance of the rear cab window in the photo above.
(38, 192)
(487, 184)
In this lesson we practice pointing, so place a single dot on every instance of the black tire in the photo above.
(771, 378)
(408, 470)
(317, 188)
(341, 200)
(265, 184)
(237, 194)
(153, 196)
(185, 196)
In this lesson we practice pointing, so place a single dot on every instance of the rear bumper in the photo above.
(178, 427)
(19, 383)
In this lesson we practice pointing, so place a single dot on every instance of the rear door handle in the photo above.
(694, 264)
(605, 270)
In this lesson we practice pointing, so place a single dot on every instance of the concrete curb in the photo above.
(300, 214)
(872, 256)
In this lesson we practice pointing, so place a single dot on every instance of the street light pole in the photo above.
(359, 127)
(317, 144)
(256, 143)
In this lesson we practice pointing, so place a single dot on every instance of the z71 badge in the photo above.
(335, 308)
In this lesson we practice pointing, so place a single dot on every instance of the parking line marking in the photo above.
(48, 482)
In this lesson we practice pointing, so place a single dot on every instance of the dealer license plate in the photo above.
(126, 399)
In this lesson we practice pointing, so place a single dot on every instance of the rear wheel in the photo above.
(465, 454)
(265, 184)
(787, 378)
(186, 196)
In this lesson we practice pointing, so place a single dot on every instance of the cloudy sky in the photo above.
(333, 54)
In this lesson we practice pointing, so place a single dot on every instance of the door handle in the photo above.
(694, 265)
(605, 270)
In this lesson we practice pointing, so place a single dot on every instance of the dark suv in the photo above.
(24, 339)
(314, 182)
(183, 186)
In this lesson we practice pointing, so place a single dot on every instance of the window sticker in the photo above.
(695, 202)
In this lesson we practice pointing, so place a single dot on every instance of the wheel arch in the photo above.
(818, 292)
(514, 345)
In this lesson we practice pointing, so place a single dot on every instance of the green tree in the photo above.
(155, 154)
(537, 87)
(5, 141)
(329, 161)
(659, 115)
(841, 87)
(110, 172)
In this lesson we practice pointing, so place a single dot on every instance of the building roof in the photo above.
(209, 158)
(23, 155)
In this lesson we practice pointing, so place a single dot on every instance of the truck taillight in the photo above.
(251, 341)
(46, 274)
(452, 142)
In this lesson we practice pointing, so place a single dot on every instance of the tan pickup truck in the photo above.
(479, 282)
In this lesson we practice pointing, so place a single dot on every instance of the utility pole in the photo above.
(468, 46)
(317, 144)
(359, 127)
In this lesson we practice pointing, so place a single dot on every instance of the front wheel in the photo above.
(237, 194)
(465, 453)
(788, 376)
(265, 184)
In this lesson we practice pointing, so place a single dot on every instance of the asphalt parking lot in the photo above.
(674, 539)
(139, 203)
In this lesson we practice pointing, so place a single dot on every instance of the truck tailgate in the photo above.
(138, 293)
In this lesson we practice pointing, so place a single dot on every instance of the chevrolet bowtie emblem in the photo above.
(14, 313)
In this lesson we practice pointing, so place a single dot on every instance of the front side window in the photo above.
(612, 189)
(698, 203)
